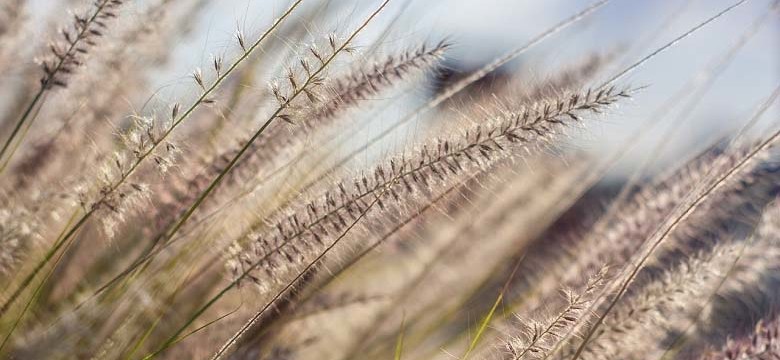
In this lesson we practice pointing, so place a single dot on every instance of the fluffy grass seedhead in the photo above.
(68, 54)
(541, 336)
(433, 166)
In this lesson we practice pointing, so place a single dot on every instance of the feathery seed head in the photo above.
(434, 165)
(69, 53)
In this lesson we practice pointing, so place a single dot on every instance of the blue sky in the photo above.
(483, 29)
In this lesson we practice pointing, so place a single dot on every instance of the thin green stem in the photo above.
(18, 127)
(486, 321)
(399, 344)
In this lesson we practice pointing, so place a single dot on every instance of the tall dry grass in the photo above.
(248, 213)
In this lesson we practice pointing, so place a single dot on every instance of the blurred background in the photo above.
(735, 60)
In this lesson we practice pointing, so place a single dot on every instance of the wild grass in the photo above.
(267, 209)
